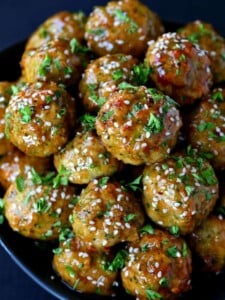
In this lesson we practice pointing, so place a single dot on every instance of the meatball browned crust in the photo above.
(38, 211)
(83, 269)
(208, 243)
(39, 119)
(106, 215)
(180, 68)
(61, 61)
(86, 158)
(101, 78)
(16, 163)
(180, 192)
(138, 125)
(5, 94)
(159, 266)
(206, 128)
(63, 25)
(208, 39)
(122, 27)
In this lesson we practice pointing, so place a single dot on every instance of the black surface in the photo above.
(18, 19)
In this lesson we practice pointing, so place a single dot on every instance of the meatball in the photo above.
(101, 78)
(83, 269)
(180, 192)
(61, 61)
(208, 242)
(180, 68)
(208, 39)
(39, 119)
(38, 210)
(158, 267)
(106, 215)
(15, 163)
(5, 94)
(122, 27)
(206, 127)
(63, 25)
(138, 125)
(86, 158)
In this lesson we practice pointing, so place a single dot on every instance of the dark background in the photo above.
(18, 18)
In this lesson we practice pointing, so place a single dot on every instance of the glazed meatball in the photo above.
(5, 94)
(208, 39)
(180, 192)
(180, 68)
(208, 242)
(158, 267)
(138, 125)
(63, 25)
(101, 78)
(106, 215)
(60, 61)
(86, 158)
(206, 127)
(38, 210)
(39, 119)
(16, 163)
(122, 27)
(83, 269)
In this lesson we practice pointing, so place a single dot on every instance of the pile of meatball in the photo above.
(112, 144)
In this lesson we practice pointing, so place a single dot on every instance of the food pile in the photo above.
(113, 143)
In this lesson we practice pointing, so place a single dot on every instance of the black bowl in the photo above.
(35, 258)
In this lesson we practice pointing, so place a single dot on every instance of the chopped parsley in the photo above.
(106, 116)
(96, 31)
(88, 121)
(41, 205)
(123, 17)
(127, 86)
(14, 89)
(48, 233)
(184, 250)
(182, 57)
(141, 74)
(65, 234)
(62, 178)
(195, 36)
(61, 113)
(154, 124)
(77, 48)
(134, 185)
(44, 67)
(48, 99)
(1, 211)
(153, 295)
(189, 190)
(118, 261)
(129, 217)
(205, 126)
(57, 251)
(20, 184)
(173, 251)
(68, 70)
(38, 179)
(25, 114)
(70, 271)
(147, 229)
(103, 181)
(93, 90)
(117, 74)
(164, 282)
(218, 96)
(175, 230)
